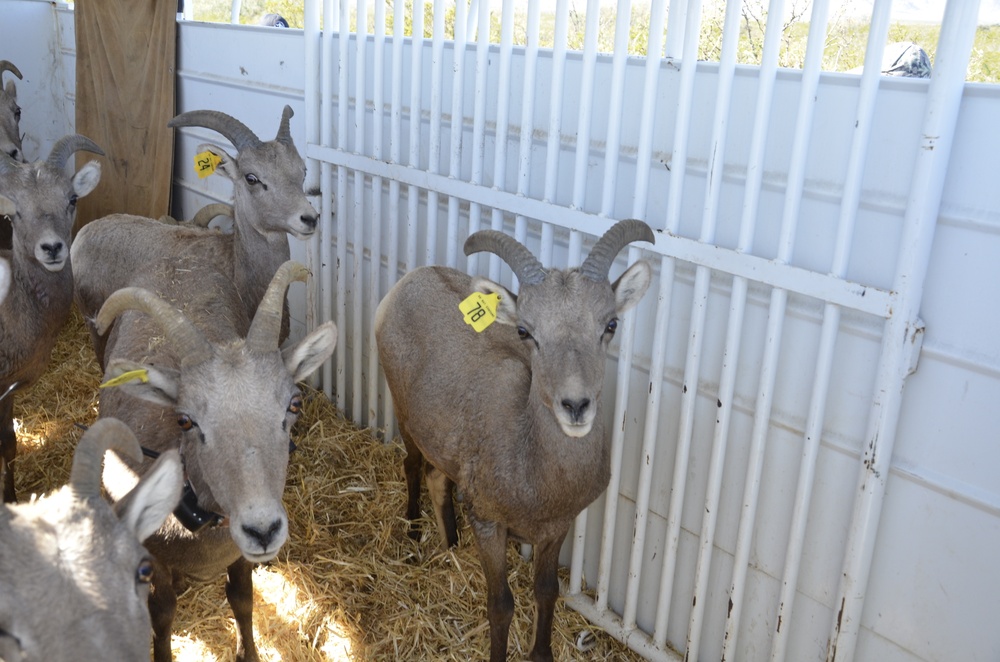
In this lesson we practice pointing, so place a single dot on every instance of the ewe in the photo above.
(188, 379)
(74, 574)
(268, 204)
(40, 201)
(511, 415)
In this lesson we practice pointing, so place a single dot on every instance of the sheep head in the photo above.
(40, 200)
(75, 574)
(235, 404)
(267, 176)
(10, 115)
(567, 359)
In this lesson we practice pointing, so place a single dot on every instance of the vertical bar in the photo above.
(727, 381)
(676, 28)
(623, 24)
(643, 159)
(327, 272)
(457, 128)
(503, 121)
(374, 289)
(527, 115)
(479, 122)
(416, 119)
(944, 99)
(553, 147)
(878, 30)
(313, 100)
(344, 106)
(748, 222)
(358, 241)
(434, 146)
(678, 173)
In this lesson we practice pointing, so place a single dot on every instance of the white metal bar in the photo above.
(416, 119)
(313, 100)
(434, 143)
(878, 30)
(457, 128)
(358, 239)
(937, 136)
(748, 223)
(327, 274)
(650, 432)
(676, 28)
(844, 293)
(553, 147)
(343, 110)
(375, 265)
(727, 381)
(527, 113)
(503, 121)
(479, 125)
(641, 189)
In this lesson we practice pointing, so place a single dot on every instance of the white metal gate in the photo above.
(758, 386)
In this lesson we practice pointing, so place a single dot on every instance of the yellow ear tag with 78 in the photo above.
(480, 310)
(205, 163)
(141, 375)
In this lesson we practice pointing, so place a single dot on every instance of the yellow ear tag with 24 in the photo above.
(480, 310)
(205, 163)
(141, 375)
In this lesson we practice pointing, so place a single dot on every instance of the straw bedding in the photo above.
(349, 584)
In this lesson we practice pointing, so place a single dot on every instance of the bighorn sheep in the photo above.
(40, 200)
(10, 115)
(227, 403)
(511, 415)
(268, 203)
(74, 573)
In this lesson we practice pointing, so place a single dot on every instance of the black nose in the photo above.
(263, 536)
(53, 249)
(309, 221)
(576, 408)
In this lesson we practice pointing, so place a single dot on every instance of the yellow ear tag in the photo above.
(205, 163)
(480, 310)
(132, 375)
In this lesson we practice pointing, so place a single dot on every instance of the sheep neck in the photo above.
(256, 257)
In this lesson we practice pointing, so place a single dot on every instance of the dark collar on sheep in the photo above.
(192, 517)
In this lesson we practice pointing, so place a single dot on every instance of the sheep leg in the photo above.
(491, 539)
(239, 592)
(546, 562)
(439, 487)
(8, 447)
(413, 467)
(162, 607)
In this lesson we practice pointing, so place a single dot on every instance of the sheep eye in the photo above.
(522, 333)
(295, 404)
(17, 113)
(72, 200)
(144, 573)
(252, 179)
(611, 327)
(185, 422)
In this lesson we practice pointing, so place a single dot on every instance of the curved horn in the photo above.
(67, 145)
(105, 434)
(526, 267)
(9, 66)
(234, 130)
(210, 211)
(284, 133)
(190, 346)
(266, 325)
(598, 263)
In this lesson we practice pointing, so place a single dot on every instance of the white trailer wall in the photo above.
(933, 591)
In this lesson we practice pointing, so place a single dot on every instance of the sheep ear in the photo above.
(11, 89)
(226, 164)
(7, 206)
(87, 178)
(303, 359)
(507, 308)
(631, 285)
(146, 507)
(158, 385)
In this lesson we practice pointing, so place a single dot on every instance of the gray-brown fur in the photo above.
(511, 415)
(222, 392)
(116, 247)
(40, 200)
(74, 574)
(10, 114)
